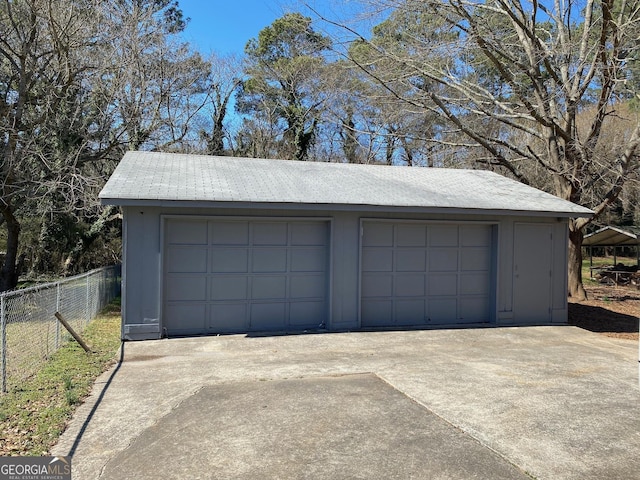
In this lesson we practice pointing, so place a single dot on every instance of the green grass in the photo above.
(601, 262)
(33, 416)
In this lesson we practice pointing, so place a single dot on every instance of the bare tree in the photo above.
(225, 78)
(154, 85)
(512, 78)
(81, 81)
(39, 76)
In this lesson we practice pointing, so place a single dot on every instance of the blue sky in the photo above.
(225, 26)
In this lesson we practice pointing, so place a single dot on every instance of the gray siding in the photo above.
(141, 276)
(142, 270)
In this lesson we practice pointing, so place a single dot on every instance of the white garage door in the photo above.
(244, 275)
(425, 274)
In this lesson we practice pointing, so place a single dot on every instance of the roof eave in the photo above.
(128, 202)
(611, 237)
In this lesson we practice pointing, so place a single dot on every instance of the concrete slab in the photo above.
(354, 426)
(555, 402)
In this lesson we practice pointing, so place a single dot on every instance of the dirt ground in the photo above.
(610, 310)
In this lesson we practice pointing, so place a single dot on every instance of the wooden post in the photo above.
(72, 332)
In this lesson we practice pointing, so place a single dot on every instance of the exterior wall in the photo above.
(141, 275)
(142, 265)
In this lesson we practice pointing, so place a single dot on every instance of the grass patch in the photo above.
(601, 262)
(33, 416)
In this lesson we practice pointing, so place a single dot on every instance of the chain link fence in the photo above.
(29, 331)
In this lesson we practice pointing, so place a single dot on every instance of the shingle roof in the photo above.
(150, 178)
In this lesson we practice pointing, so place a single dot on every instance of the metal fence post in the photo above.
(88, 318)
(32, 306)
(3, 327)
(113, 276)
(57, 310)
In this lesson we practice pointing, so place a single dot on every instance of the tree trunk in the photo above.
(9, 271)
(576, 288)
(216, 140)
(349, 142)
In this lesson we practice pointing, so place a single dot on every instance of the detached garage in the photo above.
(234, 245)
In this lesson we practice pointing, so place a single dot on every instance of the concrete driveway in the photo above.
(489, 403)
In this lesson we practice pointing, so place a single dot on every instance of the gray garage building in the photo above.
(227, 245)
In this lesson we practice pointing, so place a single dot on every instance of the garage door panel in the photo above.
(437, 273)
(228, 317)
(409, 286)
(229, 260)
(269, 260)
(269, 287)
(377, 285)
(378, 235)
(267, 316)
(245, 275)
(411, 260)
(270, 233)
(443, 259)
(307, 314)
(409, 235)
(410, 312)
(189, 232)
(230, 233)
(186, 288)
(377, 260)
(308, 234)
(229, 288)
(475, 258)
(186, 259)
(475, 236)
(186, 318)
(474, 284)
(443, 235)
(308, 259)
(443, 284)
(473, 309)
(443, 310)
(307, 286)
(377, 312)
